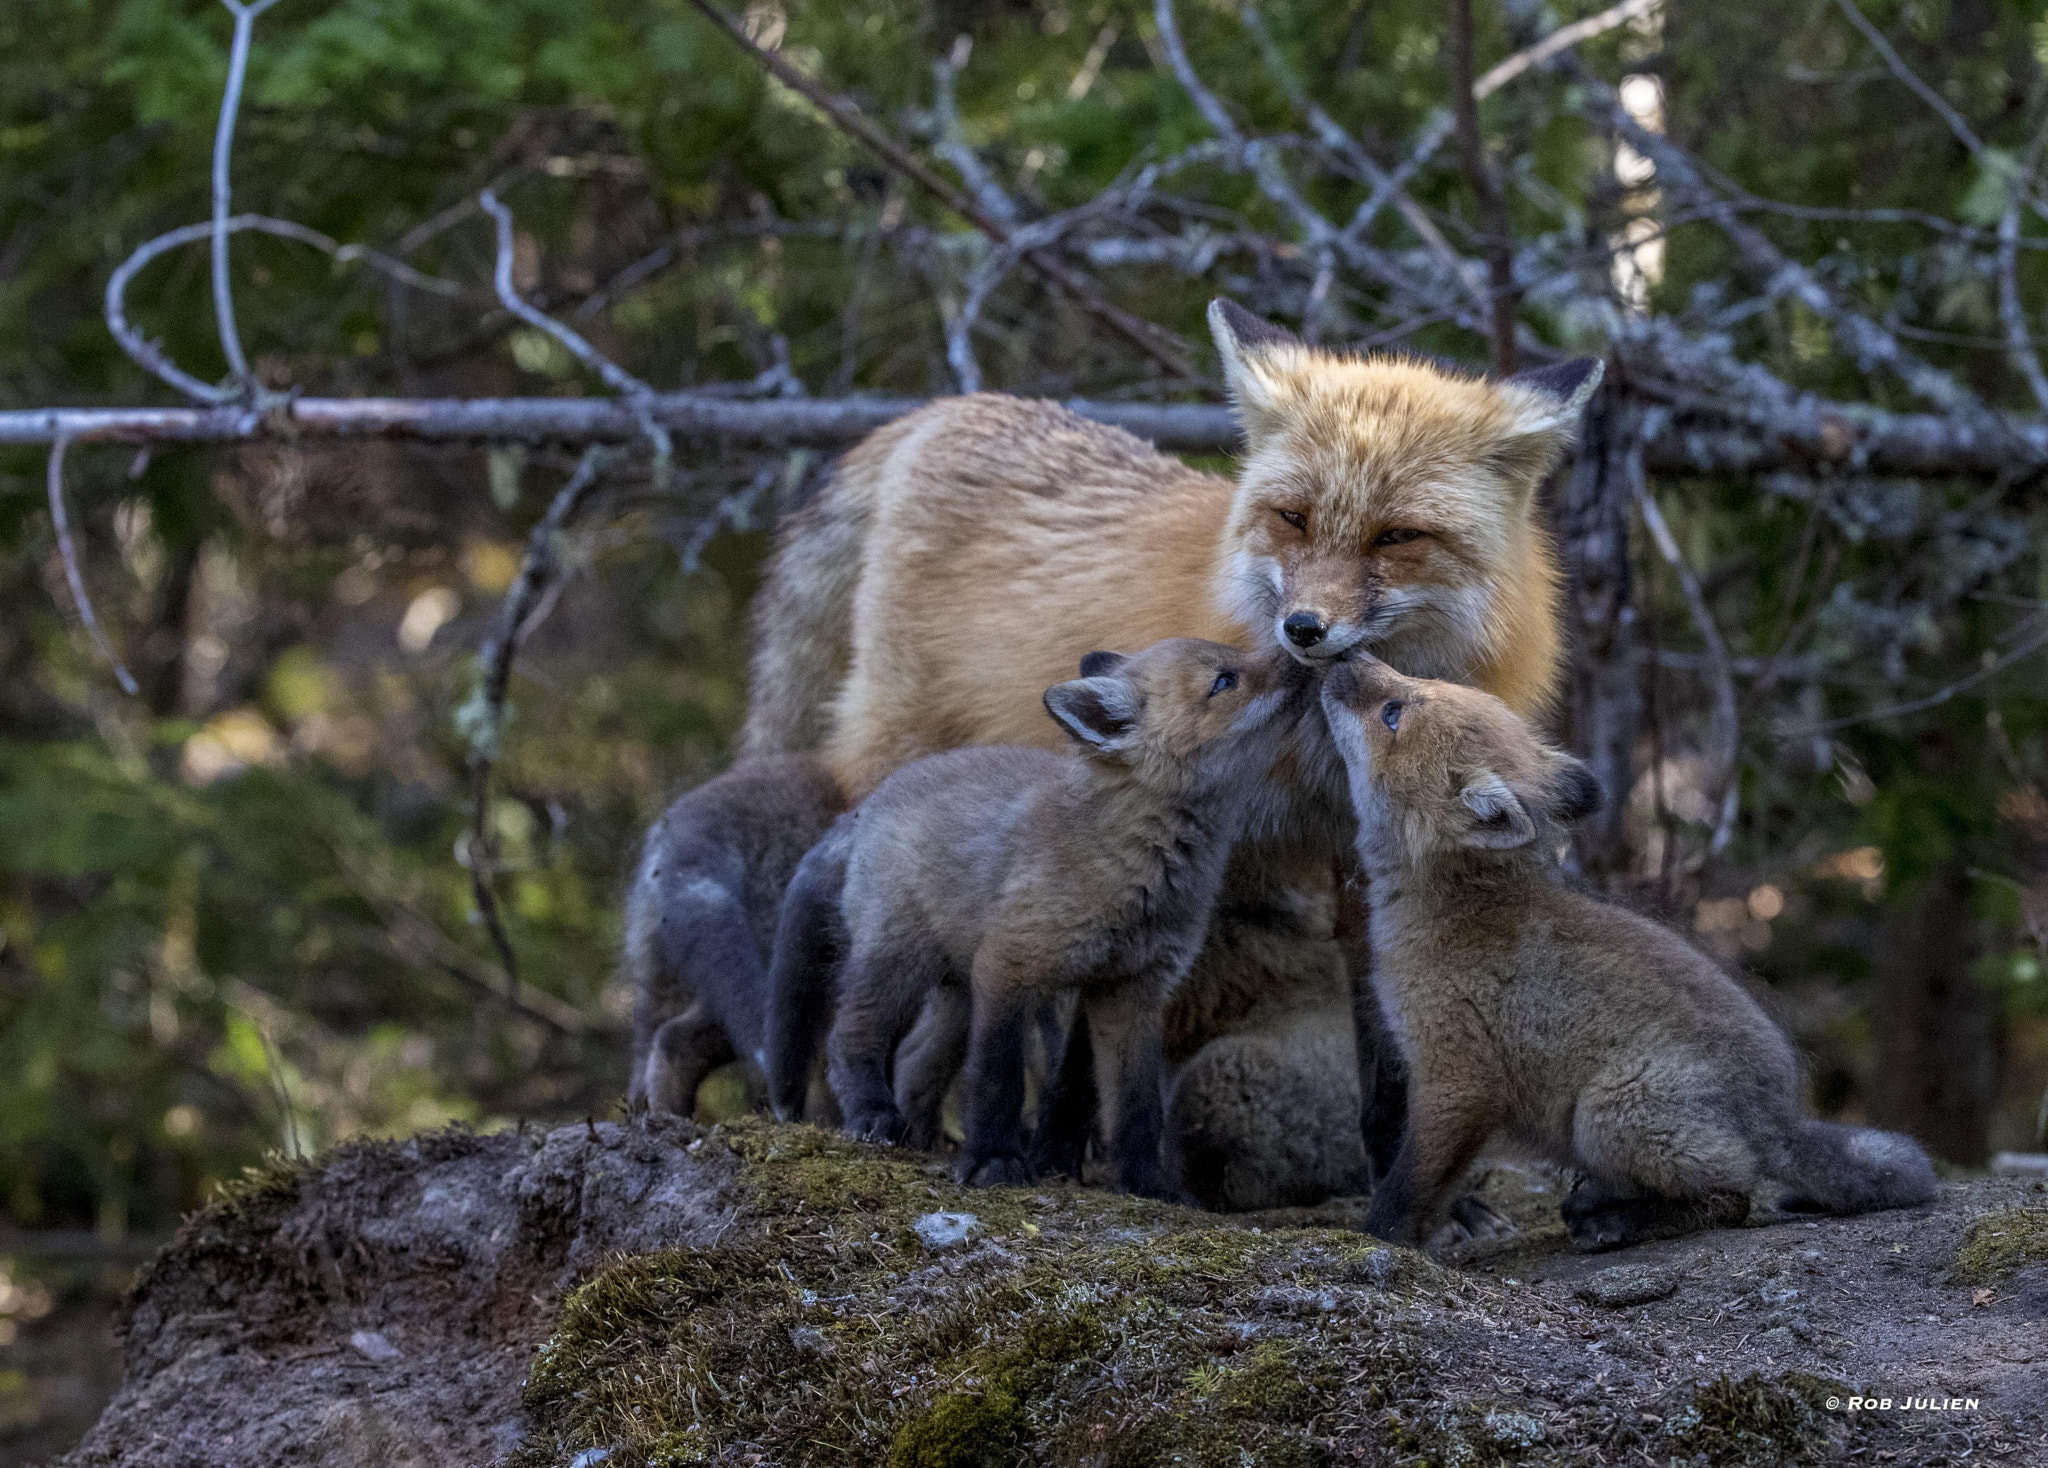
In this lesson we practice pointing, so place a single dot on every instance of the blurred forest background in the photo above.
(234, 911)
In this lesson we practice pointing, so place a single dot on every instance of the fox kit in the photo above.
(700, 918)
(1011, 874)
(963, 556)
(1583, 1031)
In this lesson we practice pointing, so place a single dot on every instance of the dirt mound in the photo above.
(755, 1294)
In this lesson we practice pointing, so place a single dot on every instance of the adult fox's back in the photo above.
(961, 559)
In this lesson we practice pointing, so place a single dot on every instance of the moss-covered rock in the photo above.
(2001, 1242)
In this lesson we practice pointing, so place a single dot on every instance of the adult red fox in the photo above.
(962, 558)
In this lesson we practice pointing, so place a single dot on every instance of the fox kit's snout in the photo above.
(1457, 764)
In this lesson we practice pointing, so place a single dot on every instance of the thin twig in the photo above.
(245, 13)
(482, 720)
(1440, 125)
(1480, 177)
(1339, 140)
(69, 553)
(1155, 341)
(1991, 668)
(147, 355)
(1896, 64)
(1725, 730)
(2011, 311)
(638, 395)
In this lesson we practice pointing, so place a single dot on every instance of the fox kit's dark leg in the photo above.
(808, 935)
(882, 987)
(928, 1060)
(1066, 1112)
(1004, 1007)
(685, 1050)
(1447, 1126)
(1126, 1024)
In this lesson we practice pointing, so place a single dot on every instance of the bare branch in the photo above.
(1991, 667)
(1257, 157)
(638, 395)
(1338, 139)
(1155, 341)
(1481, 179)
(952, 145)
(1871, 344)
(482, 720)
(1753, 425)
(148, 355)
(69, 552)
(1440, 126)
(245, 13)
(2019, 342)
(1562, 39)
(1951, 118)
(1724, 732)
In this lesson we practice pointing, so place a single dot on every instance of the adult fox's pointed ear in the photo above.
(1544, 407)
(1495, 818)
(1247, 345)
(1096, 711)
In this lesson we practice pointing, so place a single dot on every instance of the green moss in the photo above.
(1279, 1382)
(261, 1194)
(960, 1430)
(1093, 1328)
(1998, 1243)
(1756, 1422)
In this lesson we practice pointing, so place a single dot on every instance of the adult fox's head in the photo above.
(1390, 505)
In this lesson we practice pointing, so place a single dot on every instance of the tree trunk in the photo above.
(1936, 1074)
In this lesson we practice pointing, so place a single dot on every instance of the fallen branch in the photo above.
(1799, 434)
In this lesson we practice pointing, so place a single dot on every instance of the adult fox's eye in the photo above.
(1390, 715)
(1400, 537)
(1293, 517)
(1225, 681)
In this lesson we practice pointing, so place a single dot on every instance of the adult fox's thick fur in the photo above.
(962, 558)
(1527, 1009)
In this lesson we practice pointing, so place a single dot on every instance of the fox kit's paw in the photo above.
(998, 1170)
(1596, 1220)
(1470, 1221)
(883, 1124)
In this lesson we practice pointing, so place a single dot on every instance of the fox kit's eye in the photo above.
(1400, 537)
(1390, 715)
(1293, 517)
(1225, 681)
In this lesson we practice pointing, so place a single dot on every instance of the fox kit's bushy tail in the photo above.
(800, 977)
(802, 618)
(1852, 1169)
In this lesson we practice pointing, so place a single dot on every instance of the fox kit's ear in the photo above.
(1245, 342)
(1499, 821)
(1096, 711)
(1546, 404)
(1573, 790)
(1096, 664)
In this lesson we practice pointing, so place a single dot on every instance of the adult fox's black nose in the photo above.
(1304, 629)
